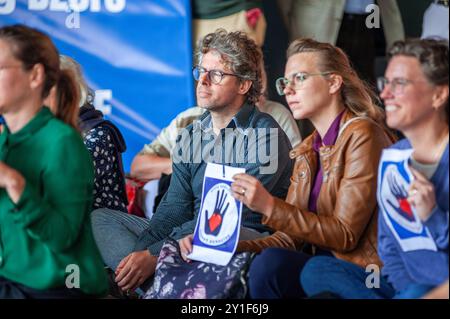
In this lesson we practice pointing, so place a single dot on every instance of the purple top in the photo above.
(329, 139)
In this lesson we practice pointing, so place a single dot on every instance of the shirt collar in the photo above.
(330, 136)
(203, 122)
(241, 120)
(36, 123)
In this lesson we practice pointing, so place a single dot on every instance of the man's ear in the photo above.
(37, 76)
(335, 82)
(440, 96)
(244, 86)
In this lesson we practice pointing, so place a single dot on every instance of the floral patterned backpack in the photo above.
(177, 279)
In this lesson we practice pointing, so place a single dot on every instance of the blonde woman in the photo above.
(331, 206)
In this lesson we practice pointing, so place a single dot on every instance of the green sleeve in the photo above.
(55, 211)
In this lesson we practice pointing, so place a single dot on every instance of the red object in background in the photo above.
(252, 16)
(135, 195)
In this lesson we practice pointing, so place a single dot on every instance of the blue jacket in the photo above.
(419, 266)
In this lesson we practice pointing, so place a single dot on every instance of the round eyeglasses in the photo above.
(296, 81)
(214, 76)
(397, 84)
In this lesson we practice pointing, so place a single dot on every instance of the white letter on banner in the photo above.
(99, 101)
(59, 5)
(37, 4)
(115, 5)
(79, 5)
(95, 5)
(7, 6)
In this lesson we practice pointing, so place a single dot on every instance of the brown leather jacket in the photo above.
(346, 219)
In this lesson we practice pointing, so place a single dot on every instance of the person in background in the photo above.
(46, 178)
(435, 20)
(103, 140)
(231, 15)
(414, 215)
(344, 23)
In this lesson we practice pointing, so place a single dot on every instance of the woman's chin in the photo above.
(393, 123)
(299, 114)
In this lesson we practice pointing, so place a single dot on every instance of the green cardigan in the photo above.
(47, 237)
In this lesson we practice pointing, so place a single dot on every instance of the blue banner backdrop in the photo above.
(136, 55)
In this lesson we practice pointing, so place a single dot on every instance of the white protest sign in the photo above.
(394, 180)
(217, 231)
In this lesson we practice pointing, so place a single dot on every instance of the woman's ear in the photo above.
(440, 96)
(37, 76)
(335, 81)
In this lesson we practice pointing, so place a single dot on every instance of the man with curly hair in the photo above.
(228, 75)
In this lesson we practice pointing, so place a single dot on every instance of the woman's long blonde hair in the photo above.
(356, 95)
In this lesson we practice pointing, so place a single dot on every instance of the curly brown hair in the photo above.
(239, 53)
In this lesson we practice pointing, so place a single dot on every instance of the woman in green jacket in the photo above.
(46, 178)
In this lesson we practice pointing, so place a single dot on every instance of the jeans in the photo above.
(324, 274)
(116, 234)
(275, 273)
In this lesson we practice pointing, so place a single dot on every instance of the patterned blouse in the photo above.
(108, 181)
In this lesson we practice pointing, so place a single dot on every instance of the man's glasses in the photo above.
(397, 84)
(214, 76)
(296, 81)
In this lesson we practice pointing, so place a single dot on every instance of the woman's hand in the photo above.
(421, 195)
(12, 181)
(252, 193)
(186, 247)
